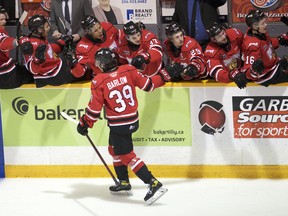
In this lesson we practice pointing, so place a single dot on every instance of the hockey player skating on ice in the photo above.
(11, 74)
(115, 89)
(260, 59)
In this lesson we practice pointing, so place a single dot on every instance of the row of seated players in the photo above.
(230, 56)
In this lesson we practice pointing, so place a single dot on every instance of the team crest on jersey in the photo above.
(266, 5)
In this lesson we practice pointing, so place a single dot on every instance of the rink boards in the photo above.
(198, 129)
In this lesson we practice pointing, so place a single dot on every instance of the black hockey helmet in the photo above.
(214, 29)
(130, 28)
(106, 59)
(254, 16)
(2, 10)
(173, 28)
(35, 22)
(88, 22)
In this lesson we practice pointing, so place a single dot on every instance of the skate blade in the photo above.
(121, 193)
(157, 195)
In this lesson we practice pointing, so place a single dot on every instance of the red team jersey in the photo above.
(116, 90)
(255, 48)
(86, 49)
(220, 61)
(149, 44)
(191, 53)
(7, 64)
(52, 64)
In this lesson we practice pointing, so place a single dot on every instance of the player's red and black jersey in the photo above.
(190, 53)
(52, 64)
(221, 61)
(87, 47)
(7, 64)
(260, 47)
(116, 91)
(149, 44)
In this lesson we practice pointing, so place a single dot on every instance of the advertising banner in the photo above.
(136, 10)
(32, 118)
(274, 9)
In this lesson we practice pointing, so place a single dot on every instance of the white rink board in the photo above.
(218, 149)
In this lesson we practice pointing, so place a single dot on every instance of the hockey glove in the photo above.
(171, 71)
(239, 78)
(283, 64)
(27, 48)
(82, 126)
(283, 39)
(189, 72)
(257, 67)
(70, 56)
(40, 54)
(139, 60)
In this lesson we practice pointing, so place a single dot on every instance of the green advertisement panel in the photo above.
(31, 117)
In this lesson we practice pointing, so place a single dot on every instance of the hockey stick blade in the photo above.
(69, 118)
(23, 17)
(284, 20)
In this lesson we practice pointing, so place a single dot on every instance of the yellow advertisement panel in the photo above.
(31, 117)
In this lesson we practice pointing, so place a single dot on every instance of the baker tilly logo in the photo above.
(212, 117)
(20, 105)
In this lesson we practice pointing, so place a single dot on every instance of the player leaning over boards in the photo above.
(114, 89)
(41, 57)
(223, 55)
(11, 74)
(185, 51)
(260, 59)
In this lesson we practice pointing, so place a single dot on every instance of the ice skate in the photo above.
(122, 188)
(155, 191)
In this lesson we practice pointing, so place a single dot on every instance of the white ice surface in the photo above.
(185, 197)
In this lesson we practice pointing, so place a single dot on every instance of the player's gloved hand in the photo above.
(27, 48)
(40, 54)
(257, 67)
(82, 126)
(141, 59)
(70, 56)
(283, 64)
(65, 40)
(283, 39)
(189, 72)
(239, 78)
(171, 71)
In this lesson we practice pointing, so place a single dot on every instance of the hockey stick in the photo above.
(18, 33)
(284, 20)
(69, 118)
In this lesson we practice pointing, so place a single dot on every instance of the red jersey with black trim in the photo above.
(220, 61)
(52, 63)
(116, 90)
(86, 49)
(149, 44)
(7, 64)
(255, 47)
(190, 53)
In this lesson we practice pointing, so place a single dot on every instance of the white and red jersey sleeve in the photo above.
(221, 61)
(255, 48)
(116, 91)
